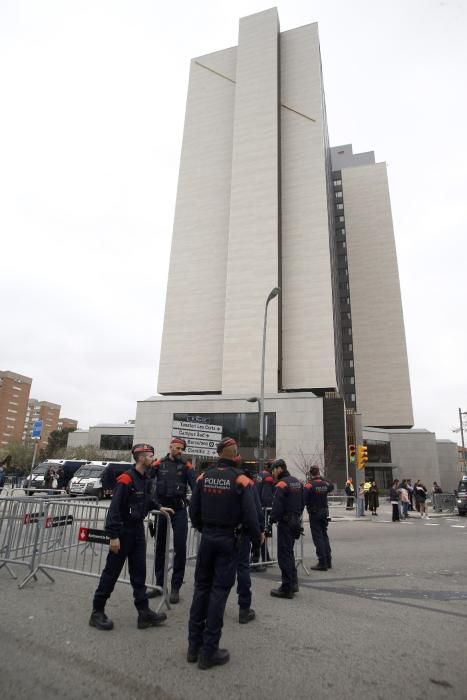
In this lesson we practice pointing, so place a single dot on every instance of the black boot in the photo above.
(319, 567)
(174, 596)
(192, 655)
(329, 563)
(153, 593)
(220, 657)
(279, 593)
(100, 620)
(295, 588)
(149, 618)
(246, 615)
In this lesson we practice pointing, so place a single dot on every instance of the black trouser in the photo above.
(216, 568)
(319, 533)
(243, 573)
(180, 531)
(133, 548)
(395, 512)
(349, 505)
(285, 556)
(366, 500)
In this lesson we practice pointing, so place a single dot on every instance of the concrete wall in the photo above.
(307, 306)
(79, 438)
(344, 157)
(380, 355)
(415, 454)
(193, 335)
(252, 262)
(449, 468)
(299, 422)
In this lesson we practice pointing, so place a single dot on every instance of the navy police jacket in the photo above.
(172, 476)
(265, 488)
(316, 494)
(131, 502)
(223, 498)
(288, 498)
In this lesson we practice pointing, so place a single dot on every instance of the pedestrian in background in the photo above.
(366, 489)
(420, 492)
(350, 492)
(373, 498)
(2, 478)
(410, 492)
(361, 501)
(404, 499)
(394, 498)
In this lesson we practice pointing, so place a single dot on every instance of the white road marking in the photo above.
(431, 524)
(462, 526)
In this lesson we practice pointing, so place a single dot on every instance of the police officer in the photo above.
(130, 503)
(246, 613)
(221, 501)
(265, 488)
(172, 476)
(287, 508)
(316, 502)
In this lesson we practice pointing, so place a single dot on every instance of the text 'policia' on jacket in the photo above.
(223, 498)
(172, 476)
(316, 494)
(288, 498)
(131, 502)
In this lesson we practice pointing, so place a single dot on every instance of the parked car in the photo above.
(88, 479)
(462, 496)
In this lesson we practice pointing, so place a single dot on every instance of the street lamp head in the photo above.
(273, 293)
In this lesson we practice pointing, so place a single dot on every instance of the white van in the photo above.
(87, 480)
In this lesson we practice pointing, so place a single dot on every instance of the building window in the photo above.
(348, 347)
(336, 183)
(17, 388)
(12, 410)
(338, 195)
(122, 443)
(341, 218)
(378, 450)
(339, 206)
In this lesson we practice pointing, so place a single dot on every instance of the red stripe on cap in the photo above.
(228, 442)
(181, 441)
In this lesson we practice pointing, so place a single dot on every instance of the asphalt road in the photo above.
(387, 621)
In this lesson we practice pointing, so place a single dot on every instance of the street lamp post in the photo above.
(272, 294)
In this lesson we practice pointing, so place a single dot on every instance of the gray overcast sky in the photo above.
(92, 105)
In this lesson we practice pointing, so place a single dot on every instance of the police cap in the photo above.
(226, 442)
(141, 447)
(178, 441)
(278, 463)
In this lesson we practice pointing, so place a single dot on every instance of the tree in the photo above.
(57, 441)
(324, 459)
(21, 457)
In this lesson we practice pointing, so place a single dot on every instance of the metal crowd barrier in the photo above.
(67, 535)
(443, 502)
(270, 546)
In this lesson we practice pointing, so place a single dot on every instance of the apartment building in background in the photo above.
(45, 411)
(14, 397)
(67, 424)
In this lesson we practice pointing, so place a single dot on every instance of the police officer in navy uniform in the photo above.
(172, 476)
(131, 501)
(316, 502)
(265, 489)
(246, 613)
(287, 508)
(221, 502)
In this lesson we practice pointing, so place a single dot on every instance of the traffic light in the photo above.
(362, 456)
(352, 453)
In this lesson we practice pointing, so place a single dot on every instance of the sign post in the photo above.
(201, 438)
(36, 436)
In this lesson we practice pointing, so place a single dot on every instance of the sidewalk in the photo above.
(338, 513)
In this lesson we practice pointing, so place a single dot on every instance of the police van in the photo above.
(68, 467)
(88, 479)
(462, 496)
